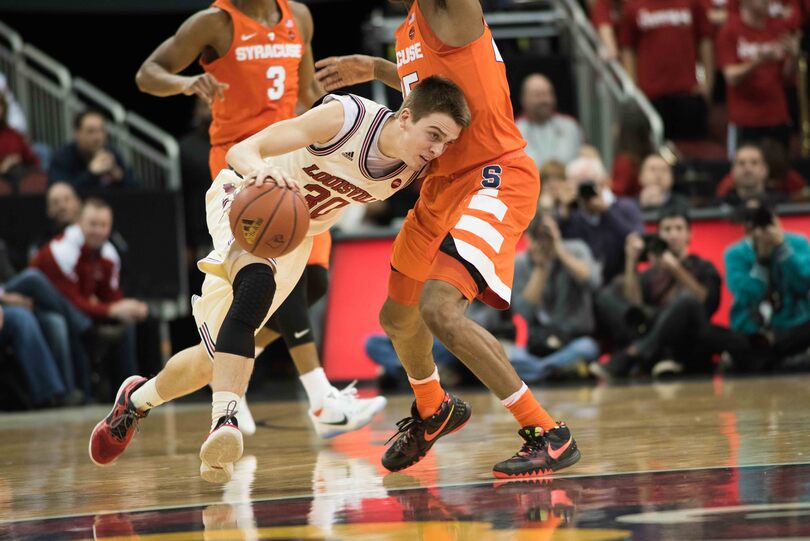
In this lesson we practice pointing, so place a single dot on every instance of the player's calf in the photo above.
(253, 289)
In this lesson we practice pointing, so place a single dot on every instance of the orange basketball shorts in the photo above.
(321, 244)
(463, 230)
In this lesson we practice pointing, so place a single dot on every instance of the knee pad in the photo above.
(253, 290)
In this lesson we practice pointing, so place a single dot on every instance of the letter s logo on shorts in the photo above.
(491, 176)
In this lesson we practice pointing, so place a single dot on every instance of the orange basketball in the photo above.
(269, 221)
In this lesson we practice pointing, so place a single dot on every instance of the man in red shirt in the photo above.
(85, 267)
(660, 41)
(757, 55)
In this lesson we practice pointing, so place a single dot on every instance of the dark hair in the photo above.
(78, 120)
(674, 210)
(634, 133)
(437, 94)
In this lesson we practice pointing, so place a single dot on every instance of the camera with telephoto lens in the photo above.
(587, 190)
(653, 245)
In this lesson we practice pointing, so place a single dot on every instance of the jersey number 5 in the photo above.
(277, 76)
(412, 78)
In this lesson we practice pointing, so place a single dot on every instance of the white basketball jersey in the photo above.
(334, 176)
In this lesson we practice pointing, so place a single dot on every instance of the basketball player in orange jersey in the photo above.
(458, 242)
(257, 58)
(241, 291)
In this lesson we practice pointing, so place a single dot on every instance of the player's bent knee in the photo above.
(253, 291)
(438, 314)
(397, 319)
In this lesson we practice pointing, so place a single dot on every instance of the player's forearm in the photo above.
(386, 71)
(154, 79)
(245, 157)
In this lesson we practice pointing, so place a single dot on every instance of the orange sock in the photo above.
(527, 410)
(429, 394)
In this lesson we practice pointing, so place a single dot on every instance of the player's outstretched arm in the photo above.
(339, 71)
(158, 74)
(317, 125)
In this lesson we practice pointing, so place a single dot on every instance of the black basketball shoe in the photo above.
(542, 453)
(415, 436)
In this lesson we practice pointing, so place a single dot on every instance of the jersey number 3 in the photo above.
(276, 75)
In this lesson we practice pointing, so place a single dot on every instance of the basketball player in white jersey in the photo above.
(346, 150)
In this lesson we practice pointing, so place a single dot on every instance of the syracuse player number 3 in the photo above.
(277, 76)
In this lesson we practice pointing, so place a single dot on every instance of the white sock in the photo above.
(514, 397)
(433, 376)
(221, 404)
(316, 386)
(147, 397)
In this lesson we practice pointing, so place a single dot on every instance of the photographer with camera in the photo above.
(554, 280)
(669, 304)
(597, 217)
(768, 275)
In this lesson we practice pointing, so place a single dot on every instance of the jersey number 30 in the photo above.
(276, 75)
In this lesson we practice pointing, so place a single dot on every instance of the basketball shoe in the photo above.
(542, 453)
(245, 419)
(112, 435)
(343, 412)
(415, 436)
(222, 448)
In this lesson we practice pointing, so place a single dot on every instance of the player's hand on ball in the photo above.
(339, 71)
(275, 174)
(206, 87)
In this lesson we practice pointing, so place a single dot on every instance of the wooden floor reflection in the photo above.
(45, 472)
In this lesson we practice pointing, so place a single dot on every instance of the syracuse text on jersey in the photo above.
(269, 50)
(409, 54)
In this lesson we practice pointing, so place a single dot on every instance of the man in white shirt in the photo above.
(549, 135)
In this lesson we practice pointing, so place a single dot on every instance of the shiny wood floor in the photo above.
(45, 471)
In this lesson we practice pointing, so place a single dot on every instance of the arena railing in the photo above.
(50, 97)
(602, 87)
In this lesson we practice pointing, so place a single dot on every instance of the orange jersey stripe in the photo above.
(261, 68)
(480, 72)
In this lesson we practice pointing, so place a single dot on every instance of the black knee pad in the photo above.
(253, 291)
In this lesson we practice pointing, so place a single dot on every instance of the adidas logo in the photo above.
(348, 155)
(250, 228)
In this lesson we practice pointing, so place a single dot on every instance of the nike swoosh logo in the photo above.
(431, 437)
(300, 333)
(343, 421)
(556, 454)
(246, 37)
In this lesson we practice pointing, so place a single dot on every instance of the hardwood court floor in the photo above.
(666, 455)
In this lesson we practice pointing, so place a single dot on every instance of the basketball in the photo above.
(269, 221)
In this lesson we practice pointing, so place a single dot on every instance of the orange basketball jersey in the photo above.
(261, 68)
(479, 70)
